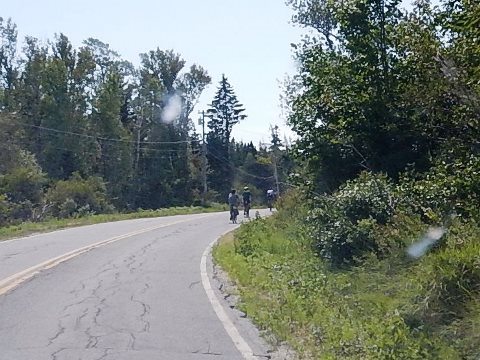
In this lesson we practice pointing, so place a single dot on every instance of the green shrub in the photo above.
(453, 274)
(447, 188)
(22, 189)
(23, 183)
(77, 197)
(5, 210)
(343, 225)
(253, 237)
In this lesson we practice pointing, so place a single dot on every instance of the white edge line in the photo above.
(232, 331)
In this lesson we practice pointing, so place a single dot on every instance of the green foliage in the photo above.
(343, 225)
(448, 188)
(453, 275)
(87, 110)
(224, 112)
(7, 210)
(258, 237)
(22, 184)
(381, 90)
(386, 308)
(78, 197)
(22, 188)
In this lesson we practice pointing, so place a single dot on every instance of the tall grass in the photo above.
(392, 307)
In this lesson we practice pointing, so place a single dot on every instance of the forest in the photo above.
(84, 131)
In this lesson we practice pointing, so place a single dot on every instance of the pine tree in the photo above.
(224, 113)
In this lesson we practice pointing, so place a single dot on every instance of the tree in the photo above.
(85, 113)
(166, 99)
(115, 155)
(224, 112)
(22, 180)
(105, 58)
(352, 112)
(65, 103)
(8, 66)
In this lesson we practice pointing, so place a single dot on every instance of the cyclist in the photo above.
(247, 201)
(233, 201)
(270, 198)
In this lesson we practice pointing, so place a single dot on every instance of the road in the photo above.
(124, 290)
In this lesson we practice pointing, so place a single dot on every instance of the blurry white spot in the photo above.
(172, 109)
(419, 248)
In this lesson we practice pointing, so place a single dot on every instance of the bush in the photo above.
(447, 188)
(343, 225)
(22, 189)
(5, 210)
(12, 213)
(250, 238)
(453, 274)
(23, 184)
(77, 197)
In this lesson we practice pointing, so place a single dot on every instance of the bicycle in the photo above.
(233, 214)
(270, 203)
(246, 209)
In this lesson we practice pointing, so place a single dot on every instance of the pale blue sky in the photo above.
(248, 40)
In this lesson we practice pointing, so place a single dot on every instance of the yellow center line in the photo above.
(14, 280)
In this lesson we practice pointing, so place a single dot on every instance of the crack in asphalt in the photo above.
(55, 354)
(9, 256)
(193, 284)
(79, 319)
(92, 339)
(88, 316)
(145, 312)
(208, 352)
(60, 331)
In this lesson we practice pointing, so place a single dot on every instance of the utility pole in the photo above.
(274, 148)
(201, 121)
(275, 170)
(273, 153)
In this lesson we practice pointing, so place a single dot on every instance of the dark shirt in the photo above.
(247, 197)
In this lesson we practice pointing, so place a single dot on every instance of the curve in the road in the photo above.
(14, 280)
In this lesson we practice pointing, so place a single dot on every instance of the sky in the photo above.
(248, 41)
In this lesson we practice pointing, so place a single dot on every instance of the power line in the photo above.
(118, 144)
(106, 139)
(117, 141)
(226, 161)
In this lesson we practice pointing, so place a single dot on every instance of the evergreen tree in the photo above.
(224, 113)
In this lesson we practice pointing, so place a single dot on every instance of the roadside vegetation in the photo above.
(376, 255)
(379, 303)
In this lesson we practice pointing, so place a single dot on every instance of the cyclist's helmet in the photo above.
(245, 188)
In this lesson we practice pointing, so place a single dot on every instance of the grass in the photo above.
(28, 228)
(390, 308)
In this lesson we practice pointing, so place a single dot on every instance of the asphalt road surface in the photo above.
(117, 291)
